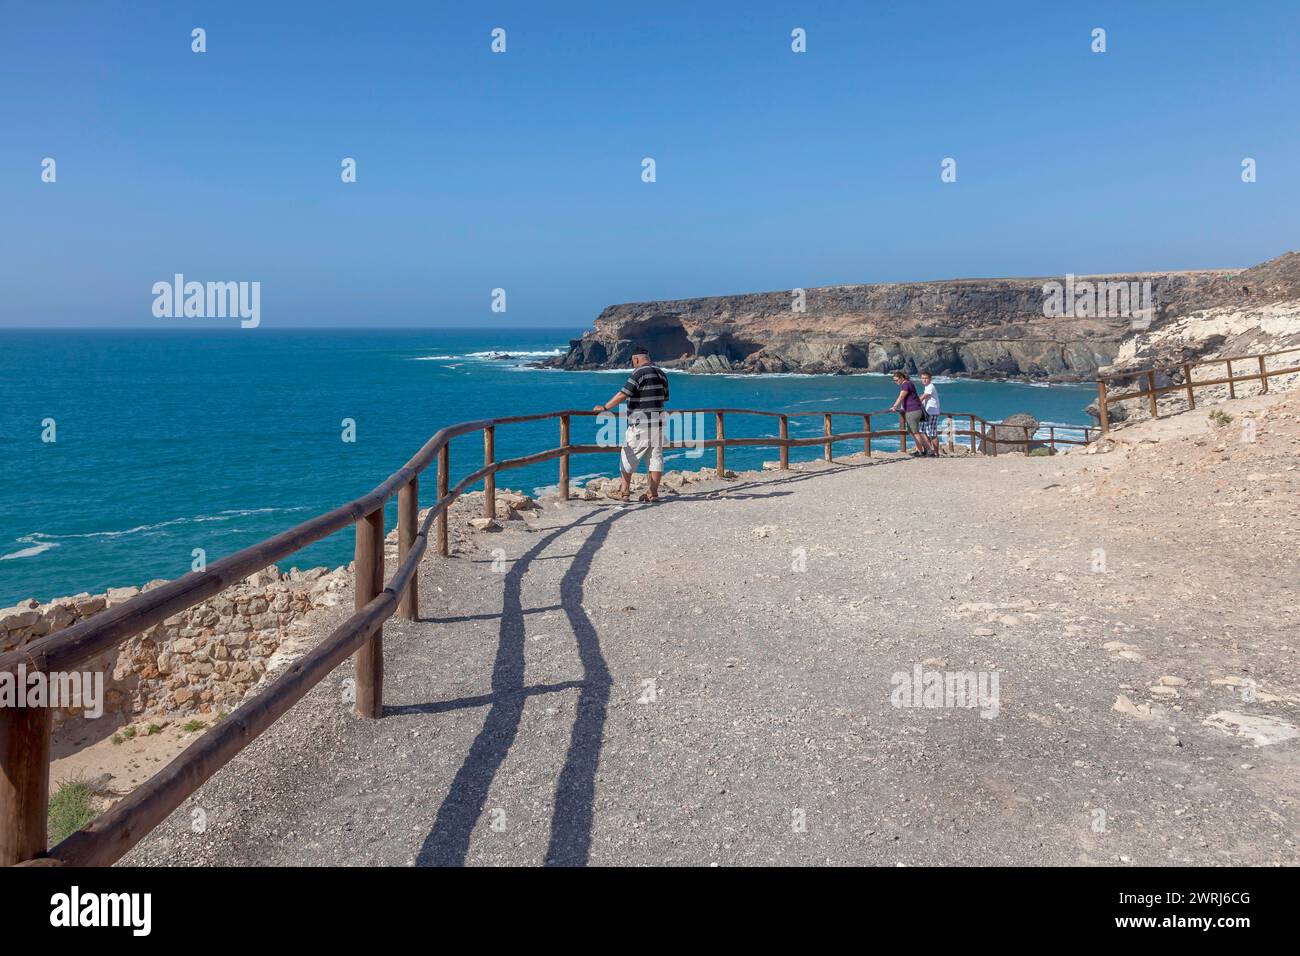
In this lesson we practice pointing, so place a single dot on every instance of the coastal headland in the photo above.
(1056, 329)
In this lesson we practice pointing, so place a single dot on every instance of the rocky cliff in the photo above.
(991, 328)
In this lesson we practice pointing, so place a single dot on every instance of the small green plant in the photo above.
(192, 725)
(128, 732)
(152, 729)
(1043, 452)
(117, 739)
(72, 806)
(1220, 418)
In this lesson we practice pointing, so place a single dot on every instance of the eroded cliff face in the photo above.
(989, 328)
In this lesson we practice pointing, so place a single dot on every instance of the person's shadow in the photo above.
(448, 841)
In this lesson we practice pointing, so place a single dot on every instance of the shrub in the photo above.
(72, 806)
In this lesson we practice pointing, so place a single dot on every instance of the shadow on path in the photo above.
(448, 841)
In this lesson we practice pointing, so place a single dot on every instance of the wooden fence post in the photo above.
(992, 429)
(1051, 438)
(1187, 380)
(490, 480)
(444, 485)
(24, 782)
(1151, 387)
(1027, 439)
(826, 430)
(564, 459)
(722, 452)
(1232, 386)
(866, 442)
(785, 437)
(902, 427)
(1102, 415)
(1263, 377)
(368, 662)
(972, 433)
(408, 518)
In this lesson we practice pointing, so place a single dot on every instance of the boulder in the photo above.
(1013, 428)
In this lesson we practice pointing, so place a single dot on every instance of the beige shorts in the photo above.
(640, 440)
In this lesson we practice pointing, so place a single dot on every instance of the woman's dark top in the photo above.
(910, 402)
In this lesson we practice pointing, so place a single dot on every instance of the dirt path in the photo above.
(712, 680)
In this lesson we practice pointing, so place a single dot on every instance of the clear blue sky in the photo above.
(523, 170)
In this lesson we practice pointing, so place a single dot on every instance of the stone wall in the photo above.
(201, 661)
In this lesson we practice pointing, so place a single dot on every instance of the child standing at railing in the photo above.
(930, 401)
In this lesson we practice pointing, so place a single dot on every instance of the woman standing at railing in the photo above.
(910, 405)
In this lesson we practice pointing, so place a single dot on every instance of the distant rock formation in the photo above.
(983, 328)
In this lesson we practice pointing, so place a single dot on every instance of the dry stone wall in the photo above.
(200, 661)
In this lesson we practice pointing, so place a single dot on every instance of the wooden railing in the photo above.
(1152, 392)
(25, 732)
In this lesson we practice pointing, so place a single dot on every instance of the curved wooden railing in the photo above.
(25, 732)
(1152, 391)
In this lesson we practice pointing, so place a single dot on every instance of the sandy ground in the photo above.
(712, 680)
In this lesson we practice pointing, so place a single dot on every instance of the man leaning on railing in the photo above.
(645, 392)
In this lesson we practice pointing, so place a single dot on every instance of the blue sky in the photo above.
(522, 170)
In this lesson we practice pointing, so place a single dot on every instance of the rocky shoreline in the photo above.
(976, 328)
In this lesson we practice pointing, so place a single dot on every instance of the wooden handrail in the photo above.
(1105, 399)
(24, 734)
(1211, 361)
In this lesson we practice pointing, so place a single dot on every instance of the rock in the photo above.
(1259, 730)
(505, 513)
(1141, 711)
(484, 524)
(1013, 427)
(518, 501)
(13, 618)
(116, 596)
(89, 604)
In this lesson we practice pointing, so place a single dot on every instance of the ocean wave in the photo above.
(40, 537)
(31, 552)
(496, 354)
(432, 358)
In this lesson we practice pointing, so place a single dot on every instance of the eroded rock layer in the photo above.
(986, 328)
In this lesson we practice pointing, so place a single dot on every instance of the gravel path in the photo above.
(709, 680)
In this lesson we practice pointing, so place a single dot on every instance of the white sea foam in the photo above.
(495, 354)
(40, 537)
(31, 552)
(432, 358)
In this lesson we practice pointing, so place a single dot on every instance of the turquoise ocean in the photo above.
(169, 441)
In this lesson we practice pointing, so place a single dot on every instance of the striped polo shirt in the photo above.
(646, 389)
